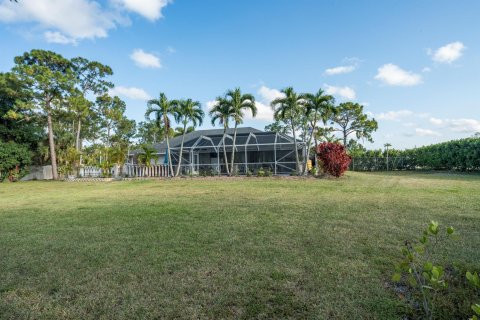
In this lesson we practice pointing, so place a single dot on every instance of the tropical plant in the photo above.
(163, 109)
(238, 103)
(349, 118)
(222, 113)
(147, 155)
(334, 158)
(422, 273)
(185, 112)
(287, 108)
(320, 106)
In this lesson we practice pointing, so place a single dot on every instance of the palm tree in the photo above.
(187, 111)
(322, 106)
(288, 108)
(146, 156)
(222, 113)
(163, 108)
(239, 102)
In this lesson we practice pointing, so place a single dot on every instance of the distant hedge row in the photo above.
(461, 155)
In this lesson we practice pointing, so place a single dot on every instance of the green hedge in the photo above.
(461, 155)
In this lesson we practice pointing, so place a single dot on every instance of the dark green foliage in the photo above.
(460, 155)
(14, 157)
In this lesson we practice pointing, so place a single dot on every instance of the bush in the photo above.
(334, 158)
(14, 158)
(261, 172)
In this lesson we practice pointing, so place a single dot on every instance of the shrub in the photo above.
(249, 173)
(261, 172)
(334, 158)
(14, 158)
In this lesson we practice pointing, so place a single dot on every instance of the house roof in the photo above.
(215, 136)
(176, 141)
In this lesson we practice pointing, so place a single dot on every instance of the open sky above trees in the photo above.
(413, 65)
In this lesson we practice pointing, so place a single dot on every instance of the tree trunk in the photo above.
(305, 169)
(170, 165)
(295, 146)
(345, 139)
(51, 144)
(317, 165)
(181, 150)
(233, 149)
(77, 140)
(225, 152)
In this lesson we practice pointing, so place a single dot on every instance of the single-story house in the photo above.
(204, 151)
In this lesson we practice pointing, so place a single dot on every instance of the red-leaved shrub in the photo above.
(333, 157)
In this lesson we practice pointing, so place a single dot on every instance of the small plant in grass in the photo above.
(474, 280)
(314, 171)
(294, 173)
(261, 172)
(249, 173)
(419, 268)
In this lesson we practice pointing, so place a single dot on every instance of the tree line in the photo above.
(59, 111)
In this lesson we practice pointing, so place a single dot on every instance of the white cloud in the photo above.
(150, 9)
(394, 115)
(461, 125)
(145, 60)
(57, 37)
(130, 92)
(171, 49)
(449, 53)
(68, 21)
(264, 112)
(464, 125)
(426, 133)
(210, 104)
(393, 75)
(344, 92)
(268, 94)
(426, 69)
(339, 70)
(436, 121)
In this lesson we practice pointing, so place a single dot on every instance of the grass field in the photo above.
(230, 248)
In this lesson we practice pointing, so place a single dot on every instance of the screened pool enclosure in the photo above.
(205, 151)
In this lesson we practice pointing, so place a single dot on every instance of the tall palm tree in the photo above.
(186, 111)
(239, 103)
(222, 113)
(163, 108)
(288, 108)
(319, 107)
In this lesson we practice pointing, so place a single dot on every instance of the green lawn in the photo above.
(229, 248)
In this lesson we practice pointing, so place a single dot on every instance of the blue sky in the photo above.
(415, 65)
